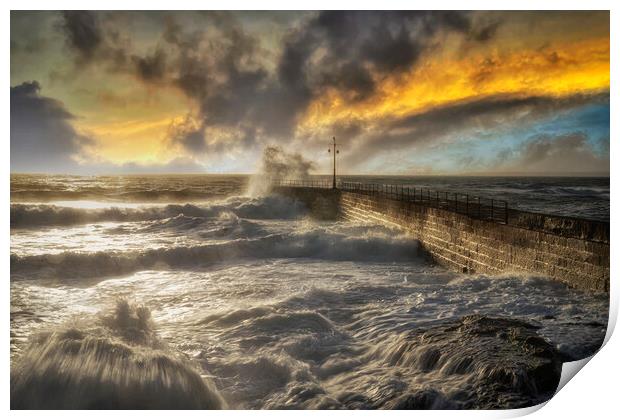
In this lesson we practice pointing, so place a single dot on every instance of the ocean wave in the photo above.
(283, 372)
(503, 354)
(98, 194)
(155, 188)
(26, 216)
(471, 362)
(316, 242)
(112, 362)
(257, 378)
(226, 226)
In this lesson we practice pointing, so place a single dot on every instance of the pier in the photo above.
(468, 233)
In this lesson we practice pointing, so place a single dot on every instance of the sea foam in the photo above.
(113, 362)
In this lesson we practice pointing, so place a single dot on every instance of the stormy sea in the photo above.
(196, 291)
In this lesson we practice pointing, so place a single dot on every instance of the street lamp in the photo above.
(336, 151)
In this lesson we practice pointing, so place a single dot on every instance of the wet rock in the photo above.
(505, 363)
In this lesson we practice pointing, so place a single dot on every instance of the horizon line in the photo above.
(466, 174)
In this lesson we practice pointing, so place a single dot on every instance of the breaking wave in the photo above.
(26, 216)
(316, 242)
(279, 311)
(113, 362)
(471, 362)
(474, 362)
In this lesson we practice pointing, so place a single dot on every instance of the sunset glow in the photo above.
(139, 98)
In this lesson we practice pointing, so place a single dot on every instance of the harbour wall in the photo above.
(574, 251)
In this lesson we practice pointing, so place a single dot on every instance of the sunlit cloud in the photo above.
(216, 88)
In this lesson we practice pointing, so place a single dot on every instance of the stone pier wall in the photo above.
(570, 250)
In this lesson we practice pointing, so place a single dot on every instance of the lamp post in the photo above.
(336, 151)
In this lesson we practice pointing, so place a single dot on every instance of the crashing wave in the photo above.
(316, 242)
(25, 216)
(503, 362)
(115, 362)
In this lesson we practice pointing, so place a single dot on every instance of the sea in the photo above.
(195, 291)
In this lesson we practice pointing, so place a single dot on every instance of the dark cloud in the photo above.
(221, 67)
(358, 47)
(42, 134)
(222, 76)
(243, 100)
(462, 118)
(152, 67)
(83, 32)
(349, 51)
(92, 38)
(43, 139)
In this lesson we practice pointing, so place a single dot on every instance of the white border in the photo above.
(592, 395)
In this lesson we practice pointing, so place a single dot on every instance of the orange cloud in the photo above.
(129, 141)
(557, 70)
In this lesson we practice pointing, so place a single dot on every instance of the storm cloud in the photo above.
(42, 132)
(43, 138)
(94, 40)
(398, 89)
(239, 98)
(461, 118)
(83, 32)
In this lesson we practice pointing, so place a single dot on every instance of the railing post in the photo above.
(467, 204)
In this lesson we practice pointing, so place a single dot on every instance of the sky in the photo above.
(404, 93)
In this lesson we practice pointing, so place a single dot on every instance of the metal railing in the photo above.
(308, 183)
(471, 205)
